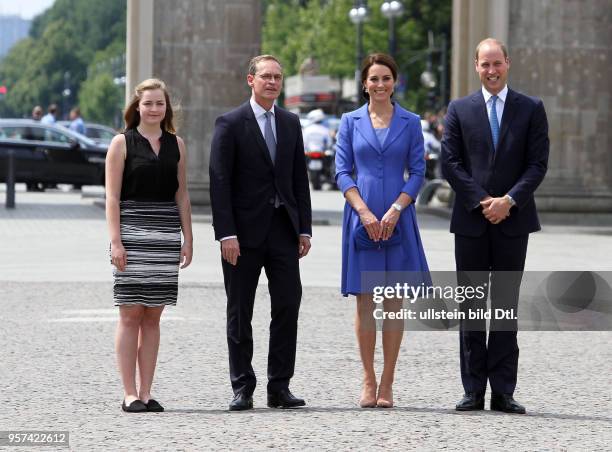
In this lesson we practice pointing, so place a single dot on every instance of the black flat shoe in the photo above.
(241, 402)
(135, 407)
(153, 406)
(284, 399)
(505, 403)
(471, 401)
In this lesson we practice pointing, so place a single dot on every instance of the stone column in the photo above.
(473, 20)
(559, 52)
(139, 44)
(201, 49)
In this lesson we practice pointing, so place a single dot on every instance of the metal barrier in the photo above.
(10, 180)
(428, 191)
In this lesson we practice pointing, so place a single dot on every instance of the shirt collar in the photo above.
(258, 110)
(501, 95)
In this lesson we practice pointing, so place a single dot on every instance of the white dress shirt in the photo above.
(499, 109)
(501, 101)
(259, 113)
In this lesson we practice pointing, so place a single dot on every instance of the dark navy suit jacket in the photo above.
(475, 169)
(244, 181)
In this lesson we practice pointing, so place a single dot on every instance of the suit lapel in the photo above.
(479, 110)
(255, 132)
(365, 129)
(399, 121)
(510, 108)
(282, 129)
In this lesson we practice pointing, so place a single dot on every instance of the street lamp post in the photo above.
(358, 15)
(428, 79)
(392, 10)
(66, 94)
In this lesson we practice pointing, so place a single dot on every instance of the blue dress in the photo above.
(377, 170)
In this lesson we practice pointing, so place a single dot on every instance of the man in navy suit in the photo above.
(494, 155)
(260, 202)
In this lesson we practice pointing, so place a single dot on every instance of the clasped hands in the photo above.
(495, 210)
(380, 230)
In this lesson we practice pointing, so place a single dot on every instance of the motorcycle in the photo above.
(432, 159)
(321, 162)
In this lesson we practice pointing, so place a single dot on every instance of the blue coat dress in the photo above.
(378, 173)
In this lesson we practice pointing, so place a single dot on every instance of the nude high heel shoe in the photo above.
(384, 400)
(368, 396)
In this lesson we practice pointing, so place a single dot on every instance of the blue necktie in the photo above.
(494, 122)
(269, 136)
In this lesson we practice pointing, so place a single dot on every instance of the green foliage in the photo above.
(62, 43)
(281, 20)
(295, 30)
(34, 73)
(100, 99)
(96, 23)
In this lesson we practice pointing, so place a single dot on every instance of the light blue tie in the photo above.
(269, 136)
(494, 122)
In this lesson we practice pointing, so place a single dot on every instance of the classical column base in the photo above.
(576, 203)
(199, 193)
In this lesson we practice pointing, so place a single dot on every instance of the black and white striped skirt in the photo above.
(151, 235)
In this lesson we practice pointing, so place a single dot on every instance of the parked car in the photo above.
(48, 154)
(99, 133)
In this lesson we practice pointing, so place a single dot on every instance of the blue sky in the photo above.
(26, 9)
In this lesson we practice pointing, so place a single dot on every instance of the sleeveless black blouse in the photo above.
(146, 176)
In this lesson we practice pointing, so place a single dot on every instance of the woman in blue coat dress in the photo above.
(376, 144)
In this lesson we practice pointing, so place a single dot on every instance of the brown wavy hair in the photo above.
(131, 114)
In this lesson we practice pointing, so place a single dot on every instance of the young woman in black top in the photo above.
(147, 207)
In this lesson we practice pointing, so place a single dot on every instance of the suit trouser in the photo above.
(278, 255)
(501, 258)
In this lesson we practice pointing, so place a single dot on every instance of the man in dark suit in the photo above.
(262, 216)
(494, 155)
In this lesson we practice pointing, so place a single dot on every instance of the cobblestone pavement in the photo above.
(57, 367)
(58, 373)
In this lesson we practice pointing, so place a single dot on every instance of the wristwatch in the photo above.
(397, 206)
(511, 201)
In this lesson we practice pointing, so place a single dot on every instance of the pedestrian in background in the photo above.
(37, 113)
(380, 234)
(76, 122)
(50, 117)
(147, 207)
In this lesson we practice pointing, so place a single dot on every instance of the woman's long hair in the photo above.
(132, 116)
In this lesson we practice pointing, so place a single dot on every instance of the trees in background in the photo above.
(297, 29)
(62, 61)
(74, 43)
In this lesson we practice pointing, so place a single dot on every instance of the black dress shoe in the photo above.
(471, 401)
(284, 399)
(505, 403)
(153, 406)
(135, 407)
(241, 402)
